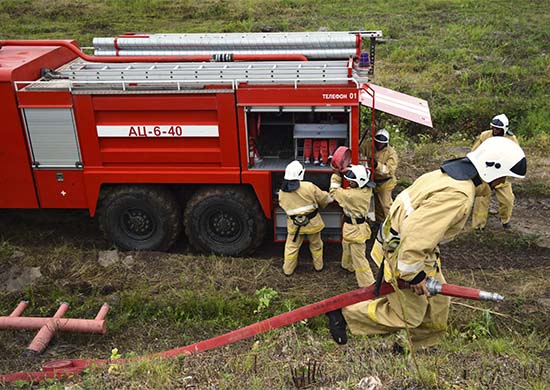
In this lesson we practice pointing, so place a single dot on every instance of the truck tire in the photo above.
(226, 221)
(140, 217)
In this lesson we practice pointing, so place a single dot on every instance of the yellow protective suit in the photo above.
(355, 203)
(384, 177)
(504, 194)
(303, 201)
(433, 209)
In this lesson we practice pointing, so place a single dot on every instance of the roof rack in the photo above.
(80, 75)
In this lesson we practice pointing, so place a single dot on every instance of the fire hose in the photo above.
(65, 368)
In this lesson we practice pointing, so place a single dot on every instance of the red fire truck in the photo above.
(155, 134)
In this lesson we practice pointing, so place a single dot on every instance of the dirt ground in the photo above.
(35, 229)
(531, 216)
(43, 232)
(47, 234)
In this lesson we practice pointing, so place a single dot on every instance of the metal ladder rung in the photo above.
(209, 73)
(269, 71)
(215, 65)
(181, 74)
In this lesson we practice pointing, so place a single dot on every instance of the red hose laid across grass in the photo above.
(64, 368)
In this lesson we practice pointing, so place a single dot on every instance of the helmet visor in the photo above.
(381, 138)
(350, 175)
(497, 123)
(520, 168)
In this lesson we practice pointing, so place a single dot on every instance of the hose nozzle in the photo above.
(490, 296)
(452, 290)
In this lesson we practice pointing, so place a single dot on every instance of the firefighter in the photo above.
(433, 209)
(301, 201)
(503, 192)
(385, 165)
(355, 202)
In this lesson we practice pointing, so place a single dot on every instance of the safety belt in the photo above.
(302, 220)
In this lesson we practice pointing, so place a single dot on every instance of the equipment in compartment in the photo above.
(280, 137)
(321, 149)
(271, 135)
(332, 146)
(254, 123)
(320, 140)
(308, 148)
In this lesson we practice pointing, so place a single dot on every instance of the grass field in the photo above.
(470, 59)
(163, 301)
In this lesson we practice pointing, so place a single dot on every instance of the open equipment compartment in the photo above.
(277, 136)
(291, 133)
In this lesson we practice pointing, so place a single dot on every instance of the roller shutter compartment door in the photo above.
(52, 137)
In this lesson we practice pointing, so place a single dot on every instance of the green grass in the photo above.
(458, 363)
(533, 187)
(171, 300)
(510, 240)
(6, 249)
(470, 59)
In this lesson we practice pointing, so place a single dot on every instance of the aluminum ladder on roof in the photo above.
(207, 71)
(80, 76)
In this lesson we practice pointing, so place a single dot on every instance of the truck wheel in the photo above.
(226, 221)
(140, 217)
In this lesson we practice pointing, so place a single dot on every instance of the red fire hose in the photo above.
(65, 368)
(124, 59)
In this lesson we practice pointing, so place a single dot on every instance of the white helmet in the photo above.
(382, 136)
(501, 122)
(358, 174)
(498, 157)
(294, 171)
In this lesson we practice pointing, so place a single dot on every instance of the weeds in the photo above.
(469, 59)
(509, 240)
(113, 367)
(265, 295)
(480, 328)
(306, 376)
(426, 151)
(6, 249)
(533, 188)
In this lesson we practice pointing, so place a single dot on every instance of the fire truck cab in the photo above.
(153, 143)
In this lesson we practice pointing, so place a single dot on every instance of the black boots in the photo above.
(337, 326)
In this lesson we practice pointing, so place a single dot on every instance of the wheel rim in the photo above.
(138, 224)
(223, 226)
